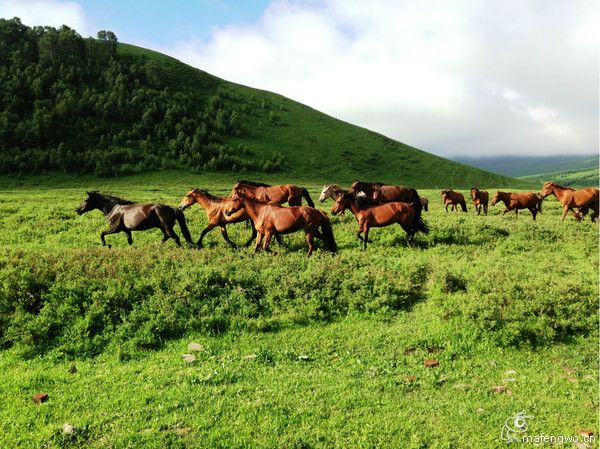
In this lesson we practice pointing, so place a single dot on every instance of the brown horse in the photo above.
(273, 219)
(126, 216)
(584, 199)
(370, 214)
(480, 199)
(383, 193)
(215, 207)
(516, 201)
(285, 193)
(452, 198)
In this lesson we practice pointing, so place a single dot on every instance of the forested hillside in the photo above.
(75, 104)
(83, 105)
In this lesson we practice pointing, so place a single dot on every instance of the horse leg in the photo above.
(268, 236)
(447, 204)
(226, 237)
(203, 233)
(410, 233)
(533, 211)
(280, 241)
(259, 239)
(594, 214)
(173, 235)
(129, 239)
(311, 243)
(247, 244)
(366, 232)
(104, 233)
(506, 209)
(565, 212)
(165, 236)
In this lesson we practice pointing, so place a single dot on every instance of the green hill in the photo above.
(97, 106)
(572, 178)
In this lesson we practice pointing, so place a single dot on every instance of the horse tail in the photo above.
(417, 221)
(327, 232)
(416, 201)
(182, 224)
(463, 205)
(307, 197)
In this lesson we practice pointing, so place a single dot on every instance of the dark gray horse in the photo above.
(126, 216)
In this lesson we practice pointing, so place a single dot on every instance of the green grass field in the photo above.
(297, 353)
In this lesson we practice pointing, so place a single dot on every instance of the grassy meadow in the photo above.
(296, 353)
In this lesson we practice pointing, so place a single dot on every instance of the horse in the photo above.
(480, 199)
(126, 216)
(584, 199)
(370, 213)
(215, 207)
(424, 203)
(516, 201)
(285, 193)
(381, 192)
(452, 198)
(272, 219)
(332, 191)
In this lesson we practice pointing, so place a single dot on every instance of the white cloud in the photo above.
(53, 13)
(460, 77)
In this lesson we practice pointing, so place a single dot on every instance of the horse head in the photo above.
(547, 189)
(497, 197)
(88, 204)
(188, 200)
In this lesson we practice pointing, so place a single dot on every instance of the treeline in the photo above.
(75, 104)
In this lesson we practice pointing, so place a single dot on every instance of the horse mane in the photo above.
(375, 185)
(252, 183)
(112, 198)
(209, 196)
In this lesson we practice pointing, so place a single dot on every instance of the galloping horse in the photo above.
(452, 198)
(381, 192)
(584, 199)
(516, 201)
(126, 216)
(371, 214)
(480, 199)
(332, 191)
(285, 193)
(215, 207)
(272, 219)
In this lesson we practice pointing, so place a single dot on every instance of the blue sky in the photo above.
(164, 22)
(453, 77)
